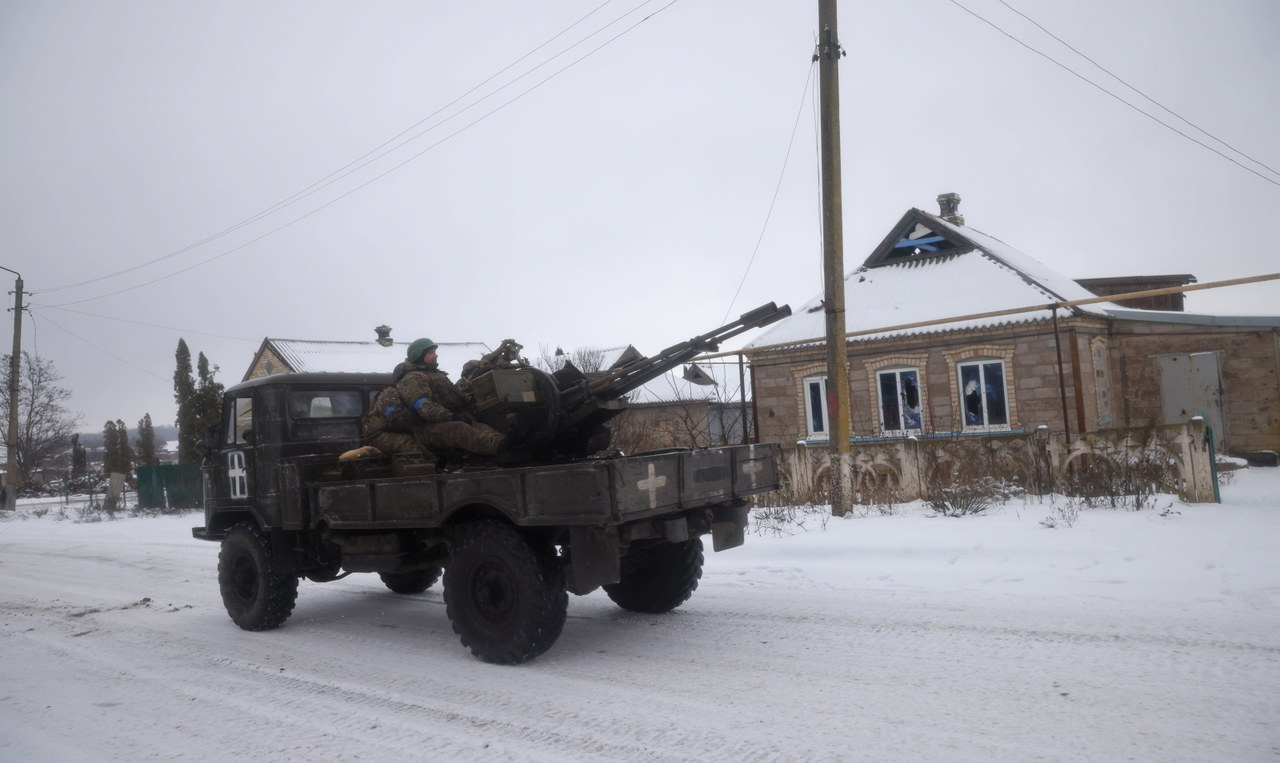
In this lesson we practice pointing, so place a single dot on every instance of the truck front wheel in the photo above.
(657, 578)
(505, 597)
(255, 596)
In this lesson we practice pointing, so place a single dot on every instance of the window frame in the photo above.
(239, 412)
(981, 363)
(896, 372)
(807, 387)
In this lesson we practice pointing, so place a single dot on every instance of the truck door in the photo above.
(233, 467)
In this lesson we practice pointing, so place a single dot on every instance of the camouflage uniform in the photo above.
(423, 411)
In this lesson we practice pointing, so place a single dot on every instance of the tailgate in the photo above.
(650, 485)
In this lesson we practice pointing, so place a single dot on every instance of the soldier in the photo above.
(423, 411)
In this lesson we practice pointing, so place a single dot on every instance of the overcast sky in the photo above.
(611, 199)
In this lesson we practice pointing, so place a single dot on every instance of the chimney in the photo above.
(949, 203)
(384, 335)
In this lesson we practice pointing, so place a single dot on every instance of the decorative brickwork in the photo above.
(983, 352)
(901, 360)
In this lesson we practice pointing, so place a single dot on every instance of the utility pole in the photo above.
(15, 367)
(838, 404)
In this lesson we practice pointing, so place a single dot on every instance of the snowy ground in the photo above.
(1132, 635)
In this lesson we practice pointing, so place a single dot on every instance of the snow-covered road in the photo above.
(1129, 636)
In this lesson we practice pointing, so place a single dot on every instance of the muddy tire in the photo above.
(413, 581)
(657, 578)
(505, 597)
(255, 596)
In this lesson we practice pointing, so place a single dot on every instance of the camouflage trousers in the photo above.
(444, 435)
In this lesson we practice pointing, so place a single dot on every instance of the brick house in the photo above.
(1074, 370)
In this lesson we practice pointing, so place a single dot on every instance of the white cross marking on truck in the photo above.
(237, 474)
(652, 484)
(752, 469)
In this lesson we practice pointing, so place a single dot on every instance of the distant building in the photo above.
(280, 356)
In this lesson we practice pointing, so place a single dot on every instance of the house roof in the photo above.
(928, 269)
(675, 386)
(315, 356)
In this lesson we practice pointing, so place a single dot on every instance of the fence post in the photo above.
(1197, 449)
(909, 467)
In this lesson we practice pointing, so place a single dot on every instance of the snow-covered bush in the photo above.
(789, 520)
(975, 495)
(1062, 514)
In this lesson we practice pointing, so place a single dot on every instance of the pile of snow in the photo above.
(1148, 635)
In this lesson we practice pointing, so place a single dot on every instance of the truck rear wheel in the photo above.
(657, 578)
(505, 598)
(255, 596)
(413, 581)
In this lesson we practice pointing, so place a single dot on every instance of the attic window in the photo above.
(918, 241)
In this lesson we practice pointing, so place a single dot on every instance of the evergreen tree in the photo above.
(208, 396)
(147, 443)
(79, 457)
(184, 394)
(124, 451)
(110, 449)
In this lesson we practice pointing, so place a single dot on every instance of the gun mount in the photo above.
(551, 417)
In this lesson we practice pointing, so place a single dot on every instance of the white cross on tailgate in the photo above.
(652, 484)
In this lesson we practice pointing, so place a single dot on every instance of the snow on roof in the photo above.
(672, 387)
(991, 277)
(1053, 283)
(307, 356)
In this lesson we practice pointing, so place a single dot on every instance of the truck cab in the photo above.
(269, 420)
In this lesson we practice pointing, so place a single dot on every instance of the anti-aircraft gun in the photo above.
(560, 416)
(288, 496)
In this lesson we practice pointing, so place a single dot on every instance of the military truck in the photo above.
(289, 494)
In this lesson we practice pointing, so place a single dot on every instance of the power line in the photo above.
(776, 189)
(148, 325)
(1122, 81)
(103, 350)
(1080, 76)
(379, 176)
(377, 152)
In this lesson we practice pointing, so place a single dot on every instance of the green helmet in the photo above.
(420, 346)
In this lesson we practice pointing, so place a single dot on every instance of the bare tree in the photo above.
(588, 360)
(45, 425)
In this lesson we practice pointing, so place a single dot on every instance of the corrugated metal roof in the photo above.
(312, 356)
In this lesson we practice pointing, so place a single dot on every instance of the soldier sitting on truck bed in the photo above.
(423, 412)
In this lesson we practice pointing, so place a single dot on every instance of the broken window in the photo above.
(900, 408)
(982, 394)
(815, 406)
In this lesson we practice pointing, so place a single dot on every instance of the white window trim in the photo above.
(806, 386)
(1008, 414)
(901, 431)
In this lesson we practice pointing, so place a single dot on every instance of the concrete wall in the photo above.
(1039, 462)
